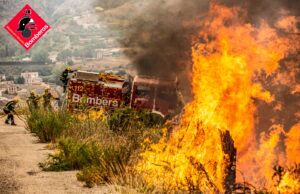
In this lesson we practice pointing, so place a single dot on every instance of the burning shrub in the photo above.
(287, 180)
(229, 54)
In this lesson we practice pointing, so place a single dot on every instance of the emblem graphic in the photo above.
(27, 27)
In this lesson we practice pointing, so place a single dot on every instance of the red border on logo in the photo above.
(27, 27)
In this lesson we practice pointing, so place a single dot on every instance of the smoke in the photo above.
(161, 36)
(269, 10)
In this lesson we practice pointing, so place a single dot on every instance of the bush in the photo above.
(129, 119)
(97, 164)
(48, 126)
(73, 155)
(85, 143)
(63, 55)
(20, 80)
(40, 55)
(109, 167)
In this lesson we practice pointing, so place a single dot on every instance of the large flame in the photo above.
(231, 52)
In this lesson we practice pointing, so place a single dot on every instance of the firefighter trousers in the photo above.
(10, 117)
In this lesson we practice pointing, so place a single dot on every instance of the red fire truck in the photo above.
(112, 90)
(158, 96)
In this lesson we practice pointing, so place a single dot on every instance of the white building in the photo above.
(107, 53)
(8, 87)
(2, 77)
(31, 78)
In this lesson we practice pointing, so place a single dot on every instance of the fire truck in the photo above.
(112, 90)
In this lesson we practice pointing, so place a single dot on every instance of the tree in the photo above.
(20, 80)
(56, 73)
(10, 78)
(2, 51)
(63, 55)
(40, 55)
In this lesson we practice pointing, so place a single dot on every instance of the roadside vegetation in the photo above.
(102, 147)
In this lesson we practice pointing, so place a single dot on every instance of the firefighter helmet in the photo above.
(23, 22)
(16, 99)
(69, 68)
(26, 24)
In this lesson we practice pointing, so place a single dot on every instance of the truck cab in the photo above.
(157, 95)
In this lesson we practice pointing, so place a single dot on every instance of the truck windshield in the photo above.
(143, 91)
(167, 94)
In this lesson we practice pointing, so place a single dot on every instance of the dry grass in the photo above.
(86, 143)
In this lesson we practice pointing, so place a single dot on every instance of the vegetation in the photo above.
(110, 4)
(73, 155)
(9, 71)
(56, 73)
(128, 119)
(20, 80)
(41, 55)
(86, 143)
(48, 126)
(64, 55)
(105, 148)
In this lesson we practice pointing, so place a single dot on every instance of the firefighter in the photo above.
(47, 96)
(33, 101)
(9, 110)
(64, 77)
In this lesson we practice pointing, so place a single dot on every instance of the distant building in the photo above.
(31, 78)
(2, 77)
(6, 82)
(108, 53)
(8, 87)
(12, 89)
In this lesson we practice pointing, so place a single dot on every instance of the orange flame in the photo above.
(231, 52)
(292, 143)
(289, 184)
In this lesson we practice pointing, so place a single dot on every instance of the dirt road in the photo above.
(20, 154)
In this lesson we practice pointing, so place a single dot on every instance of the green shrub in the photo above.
(101, 155)
(72, 155)
(48, 126)
(85, 130)
(109, 167)
(98, 164)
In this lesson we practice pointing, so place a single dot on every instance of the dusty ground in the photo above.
(20, 154)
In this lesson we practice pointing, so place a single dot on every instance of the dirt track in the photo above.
(20, 154)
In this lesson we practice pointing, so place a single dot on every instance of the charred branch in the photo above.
(230, 168)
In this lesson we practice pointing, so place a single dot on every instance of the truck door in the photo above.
(142, 97)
